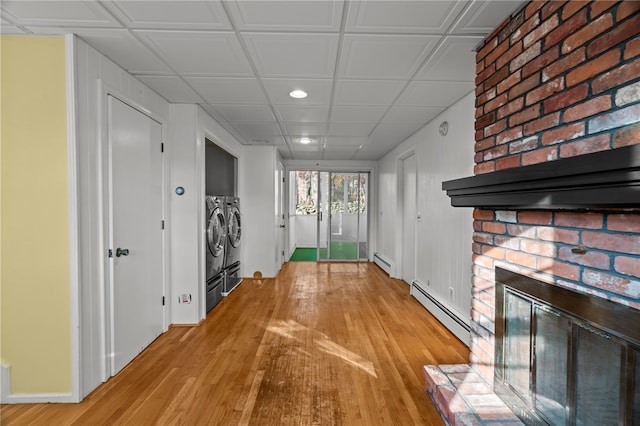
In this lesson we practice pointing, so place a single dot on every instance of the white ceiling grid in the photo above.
(376, 71)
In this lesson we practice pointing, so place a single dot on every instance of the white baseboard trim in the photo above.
(384, 263)
(6, 397)
(451, 320)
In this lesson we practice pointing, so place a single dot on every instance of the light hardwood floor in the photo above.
(321, 344)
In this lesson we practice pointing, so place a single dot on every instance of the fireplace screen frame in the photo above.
(612, 321)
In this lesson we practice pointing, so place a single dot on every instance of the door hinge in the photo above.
(162, 300)
(162, 224)
(282, 180)
(162, 147)
(283, 252)
(110, 253)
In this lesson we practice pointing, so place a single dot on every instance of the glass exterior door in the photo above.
(342, 223)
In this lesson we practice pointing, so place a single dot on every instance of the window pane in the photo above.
(598, 381)
(518, 354)
(551, 343)
(306, 192)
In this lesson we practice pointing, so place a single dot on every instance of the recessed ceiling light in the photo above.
(298, 94)
(304, 141)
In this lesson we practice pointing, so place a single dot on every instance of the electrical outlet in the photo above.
(185, 298)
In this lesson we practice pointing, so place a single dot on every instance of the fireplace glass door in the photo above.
(560, 368)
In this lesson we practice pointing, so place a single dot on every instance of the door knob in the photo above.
(122, 252)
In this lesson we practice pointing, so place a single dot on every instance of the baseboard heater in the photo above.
(383, 263)
(446, 316)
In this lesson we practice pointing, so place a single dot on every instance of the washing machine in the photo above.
(234, 236)
(216, 233)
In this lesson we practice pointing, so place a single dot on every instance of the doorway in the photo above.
(329, 216)
(136, 286)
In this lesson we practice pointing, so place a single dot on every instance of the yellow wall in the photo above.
(34, 231)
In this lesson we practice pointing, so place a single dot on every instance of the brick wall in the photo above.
(557, 79)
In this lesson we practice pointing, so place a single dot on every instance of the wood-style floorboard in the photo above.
(321, 344)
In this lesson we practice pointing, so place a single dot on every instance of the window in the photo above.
(306, 192)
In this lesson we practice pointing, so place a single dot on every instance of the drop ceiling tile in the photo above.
(278, 89)
(408, 115)
(339, 154)
(285, 152)
(315, 140)
(350, 129)
(201, 15)
(305, 129)
(240, 113)
(309, 156)
(418, 17)
(201, 53)
(59, 13)
(286, 15)
(393, 134)
(268, 140)
(119, 46)
(372, 152)
(210, 109)
(367, 92)
(257, 131)
(305, 114)
(172, 88)
(11, 29)
(293, 55)
(310, 148)
(481, 17)
(345, 141)
(357, 114)
(455, 60)
(228, 90)
(384, 56)
(434, 93)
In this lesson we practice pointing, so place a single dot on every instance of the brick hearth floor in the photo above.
(464, 398)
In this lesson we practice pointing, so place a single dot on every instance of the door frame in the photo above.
(104, 185)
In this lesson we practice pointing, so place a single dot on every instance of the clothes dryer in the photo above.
(234, 230)
(216, 235)
(234, 236)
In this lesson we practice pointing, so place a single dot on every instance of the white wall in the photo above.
(190, 126)
(184, 224)
(96, 76)
(444, 234)
(259, 221)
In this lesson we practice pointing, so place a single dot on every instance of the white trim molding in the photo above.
(72, 182)
(6, 397)
(452, 320)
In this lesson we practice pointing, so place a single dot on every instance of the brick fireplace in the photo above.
(556, 80)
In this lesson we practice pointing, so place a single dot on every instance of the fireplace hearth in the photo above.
(563, 357)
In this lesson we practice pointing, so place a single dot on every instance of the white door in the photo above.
(409, 219)
(136, 285)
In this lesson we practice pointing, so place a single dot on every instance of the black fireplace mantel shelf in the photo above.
(608, 179)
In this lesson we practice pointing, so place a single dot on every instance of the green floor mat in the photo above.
(339, 250)
(303, 255)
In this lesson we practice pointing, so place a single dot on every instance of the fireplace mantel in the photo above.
(608, 179)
